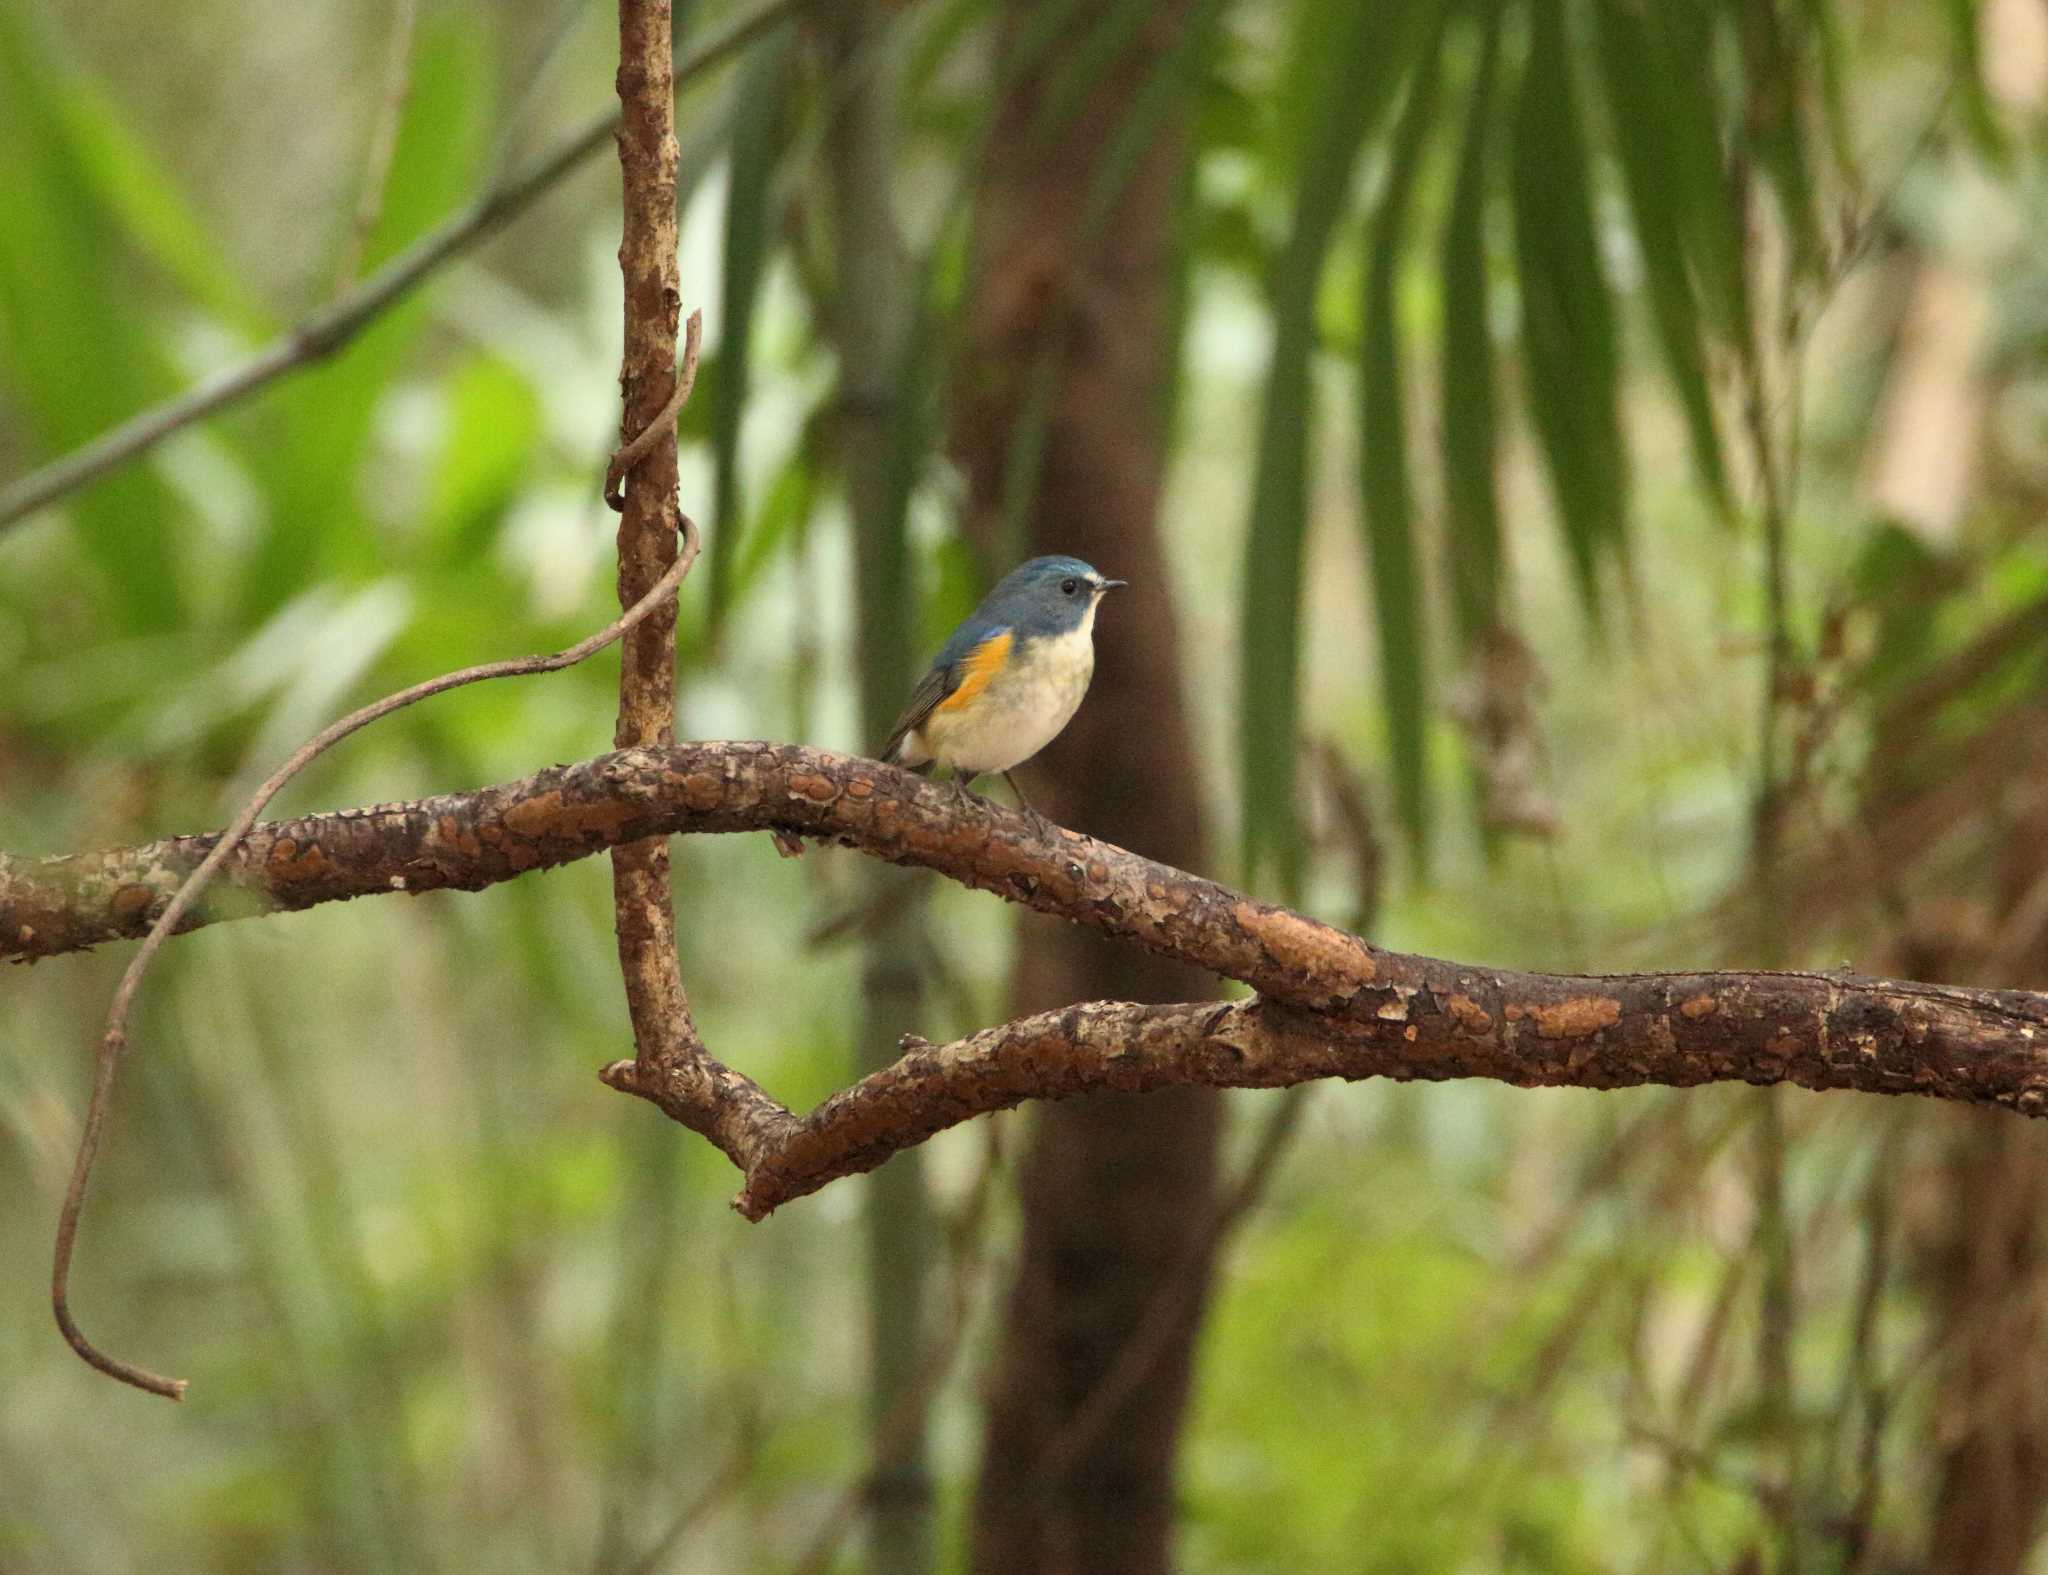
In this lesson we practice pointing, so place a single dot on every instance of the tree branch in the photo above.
(652, 387)
(1333, 1005)
(337, 324)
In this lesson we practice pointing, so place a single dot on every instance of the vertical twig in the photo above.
(643, 910)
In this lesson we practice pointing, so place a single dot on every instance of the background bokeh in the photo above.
(1766, 689)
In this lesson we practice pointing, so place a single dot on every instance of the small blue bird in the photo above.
(1010, 678)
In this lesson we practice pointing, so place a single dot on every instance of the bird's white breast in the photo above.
(1023, 708)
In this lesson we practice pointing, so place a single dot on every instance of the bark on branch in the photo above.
(1331, 1005)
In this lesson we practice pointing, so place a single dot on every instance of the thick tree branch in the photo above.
(1334, 1005)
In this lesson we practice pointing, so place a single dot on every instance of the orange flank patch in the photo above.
(979, 668)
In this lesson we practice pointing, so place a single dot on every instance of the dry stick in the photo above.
(114, 1040)
(326, 331)
(631, 454)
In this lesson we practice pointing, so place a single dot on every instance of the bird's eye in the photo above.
(1068, 587)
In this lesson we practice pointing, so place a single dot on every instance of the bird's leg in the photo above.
(1023, 803)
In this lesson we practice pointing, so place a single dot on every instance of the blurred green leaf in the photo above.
(1643, 135)
(1079, 70)
(1352, 87)
(1161, 100)
(307, 441)
(1973, 96)
(1322, 45)
(1383, 463)
(153, 212)
(1775, 89)
(1356, 65)
(1471, 505)
(74, 339)
(759, 124)
(782, 521)
(1892, 575)
(1568, 339)
(1823, 26)
(942, 29)
(1679, 43)
(493, 432)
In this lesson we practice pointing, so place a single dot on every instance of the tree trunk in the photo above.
(1090, 1384)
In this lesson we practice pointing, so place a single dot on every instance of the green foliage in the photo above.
(1349, 77)
(1569, 350)
(78, 351)
(1639, 67)
(303, 447)
(1776, 69)
(760, 100)
(1472, 533)
(1383, 449)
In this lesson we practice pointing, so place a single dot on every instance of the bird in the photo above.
(1010, 678)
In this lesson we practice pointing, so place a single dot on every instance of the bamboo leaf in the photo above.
(1679, 43)
(152, 211)
(1353, 95)
(760, 98)
(1472, 509)
(75, 347)
(1775, 85)
(1643, 137)
(306, 443)
(782, 521)
(1568, 338)
(1824, 31)
(1973, 96)
(494, 429)
(1383, 467)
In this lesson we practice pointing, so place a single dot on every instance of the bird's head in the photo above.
(1049, 595)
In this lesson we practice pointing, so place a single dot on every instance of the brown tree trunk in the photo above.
(1090, 1385)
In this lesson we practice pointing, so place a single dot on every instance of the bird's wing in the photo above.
(924, 700)
(951, 684)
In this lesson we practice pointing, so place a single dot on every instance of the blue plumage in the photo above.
(1010, 677)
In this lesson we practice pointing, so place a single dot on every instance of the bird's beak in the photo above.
(1113, 585)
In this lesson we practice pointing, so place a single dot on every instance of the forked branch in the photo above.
(1331, 1004)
